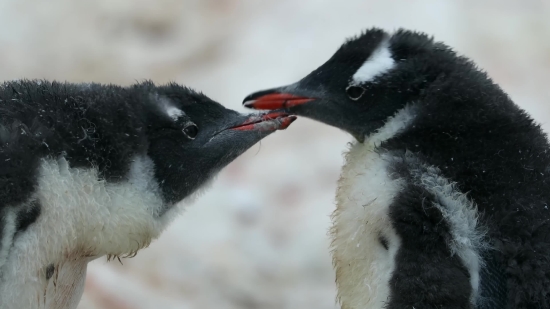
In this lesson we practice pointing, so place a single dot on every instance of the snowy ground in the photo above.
(257, 239)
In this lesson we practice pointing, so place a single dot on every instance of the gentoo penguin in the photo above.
(88, 170)
(443, 199)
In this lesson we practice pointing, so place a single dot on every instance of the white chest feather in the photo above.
(363, 265)
(364, 242)
(81, 218)
(361, 220)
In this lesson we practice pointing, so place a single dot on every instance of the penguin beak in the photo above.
(272, 100)
(271, 121)
(243, 131)
(311, 103)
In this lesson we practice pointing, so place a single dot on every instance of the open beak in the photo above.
(272, 100)
(271, 121)
(314, 104)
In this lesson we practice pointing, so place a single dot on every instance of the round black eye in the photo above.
(355, 92)
(191, 130)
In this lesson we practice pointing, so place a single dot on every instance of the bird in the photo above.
(90, 170)
(442, 201)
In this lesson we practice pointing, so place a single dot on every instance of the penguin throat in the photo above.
(393, 126)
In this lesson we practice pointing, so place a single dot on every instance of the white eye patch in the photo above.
(171, 111)
(377, 64)
(174, 112)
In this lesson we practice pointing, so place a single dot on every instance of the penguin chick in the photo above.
(443, 199)
(88, 170)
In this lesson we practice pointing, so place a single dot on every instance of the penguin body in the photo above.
(89, 170)
(442, 202)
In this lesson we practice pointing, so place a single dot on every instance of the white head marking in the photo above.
(378, 63)
(174, 112)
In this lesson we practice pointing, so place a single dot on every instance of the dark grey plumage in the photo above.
(473, 135)
(88, 170)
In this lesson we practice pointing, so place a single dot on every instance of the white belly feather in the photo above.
(81, 218)
(363, 266)
(365, 192)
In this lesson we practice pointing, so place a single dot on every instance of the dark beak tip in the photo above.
(248, 103)
(249, 98)
(290, 120)
(285, 122)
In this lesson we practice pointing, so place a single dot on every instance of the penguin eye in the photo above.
(355, 92)
(191, 130)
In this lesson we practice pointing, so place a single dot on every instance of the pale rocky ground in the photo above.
(258, 237)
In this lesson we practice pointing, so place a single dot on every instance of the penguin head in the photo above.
(367, 80)
(192, 137)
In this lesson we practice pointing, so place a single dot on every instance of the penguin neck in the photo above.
(393, 126)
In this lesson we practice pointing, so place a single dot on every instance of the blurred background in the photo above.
(258, 238)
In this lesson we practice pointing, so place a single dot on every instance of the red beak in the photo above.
(272, 121)
(272, 101)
